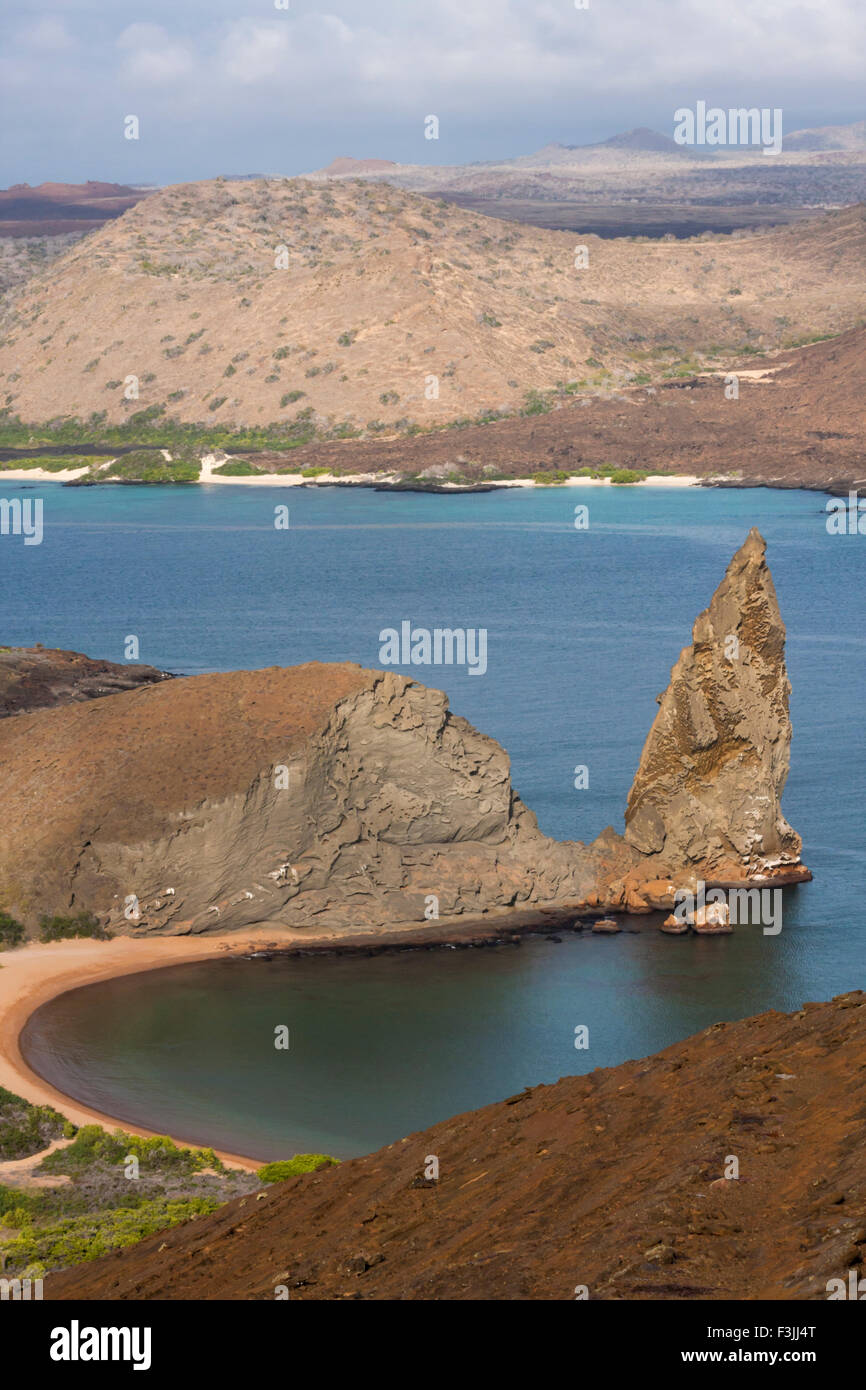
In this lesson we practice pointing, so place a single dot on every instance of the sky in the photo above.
(250, 87)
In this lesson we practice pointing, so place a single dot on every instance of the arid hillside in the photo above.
(248, 303)
(34, 678)
(797, 422)
(614, 1185)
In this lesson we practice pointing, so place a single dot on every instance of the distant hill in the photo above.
(346, 165)
(53, 208)
(645, 140)
(828, 137)
(359, 303)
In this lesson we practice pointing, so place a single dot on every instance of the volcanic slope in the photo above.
(365, 305)
(614, 1181)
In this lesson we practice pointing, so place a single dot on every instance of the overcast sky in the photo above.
(240, 86)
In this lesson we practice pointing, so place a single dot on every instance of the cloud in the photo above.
(255, 52)
(151, 56)
(233, 79)
(47, 35)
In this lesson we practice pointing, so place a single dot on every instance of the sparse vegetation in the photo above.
(626, 475)
(238, 468)
(27, 1129)
(106, 1204)
(59, 928)
(294, 1167)
(12, 931)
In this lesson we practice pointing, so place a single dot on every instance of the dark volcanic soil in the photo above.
(34, 678)
(52, 208)
(613, 1180)
(801, 427)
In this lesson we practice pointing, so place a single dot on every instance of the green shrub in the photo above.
(59, 928)
(294, 1167)
(26, 1129)
(626, 475)
(11, 931)
(75, 1239)
(534, 403)
(238, 468)
(94, 1144)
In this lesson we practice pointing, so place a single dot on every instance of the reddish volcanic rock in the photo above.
(613, 1180)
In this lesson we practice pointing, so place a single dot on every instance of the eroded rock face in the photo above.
(335, 796)
(324, 794)
(709, 785)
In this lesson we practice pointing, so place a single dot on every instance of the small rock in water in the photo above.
(674, 926)
(713, 919)
(606, 925)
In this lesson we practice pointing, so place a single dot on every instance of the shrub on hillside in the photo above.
(293, 1167)
(60, 928)
(11, 931)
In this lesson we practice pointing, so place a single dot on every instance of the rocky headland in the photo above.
(329, 795)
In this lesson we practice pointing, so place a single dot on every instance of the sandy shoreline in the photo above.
(207, 476)
(34, 974)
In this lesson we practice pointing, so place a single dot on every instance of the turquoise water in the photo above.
(583, 628)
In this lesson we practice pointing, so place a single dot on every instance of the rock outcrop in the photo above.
(41, 678)
(351, 798)
(709, 785)
(313, 794)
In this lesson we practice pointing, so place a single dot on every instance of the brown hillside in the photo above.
(614, 1181)
(799, 426)
(382, 291)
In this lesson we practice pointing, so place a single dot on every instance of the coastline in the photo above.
(36, 973)
(365, 480)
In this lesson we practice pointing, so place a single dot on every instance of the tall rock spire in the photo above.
(709, 785)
